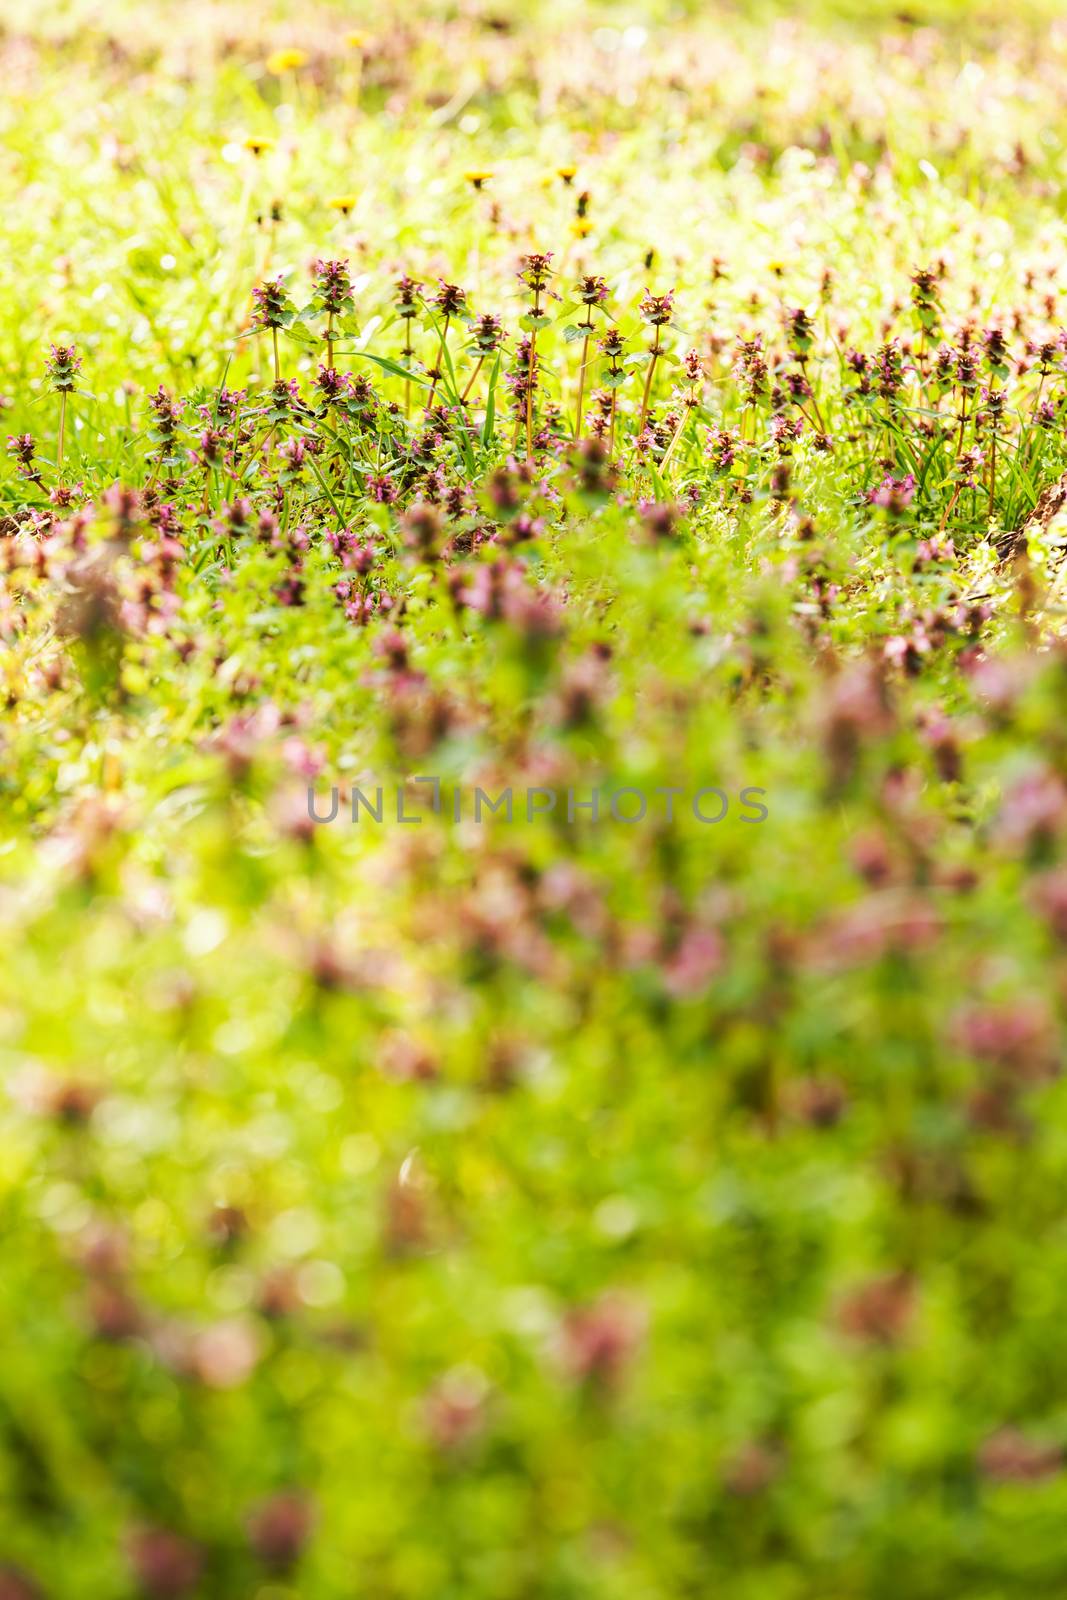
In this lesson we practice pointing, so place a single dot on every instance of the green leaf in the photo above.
(388, 366)
(490, 404)
(300, 333)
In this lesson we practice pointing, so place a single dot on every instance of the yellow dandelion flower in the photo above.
(581, 227)
(281, 61)
(477, 176)
(566, 173)
(777, 268)
(359, 40)
(343, 203)
(258, 145)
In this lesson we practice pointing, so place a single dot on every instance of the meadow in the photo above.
(651, 1189)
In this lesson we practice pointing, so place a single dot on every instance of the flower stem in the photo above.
(529, 397)
(581, 383)
(530, 377)
(814, 396)
(277, 362)
(648, 382)
(470, 384)
(62, 428)
(950, 508)
(679, 430)
(437, 365)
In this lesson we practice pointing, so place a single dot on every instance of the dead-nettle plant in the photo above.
(408, 294)
(962, 433)
(751, 379)
(61, 370)
(273, 310)
(927, 304)
(591, 292)
(690, 399)
(333, 298)
(993, 400)
(800, 334)
(164, 434)
(22, 447)
(657, 310)
(487, 337)
(613, 346)
(521, 381)
(450, 300)
(209, 454)
(534, 272)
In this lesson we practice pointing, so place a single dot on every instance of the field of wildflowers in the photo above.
(533, 801)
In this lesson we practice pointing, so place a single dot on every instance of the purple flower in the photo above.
(894, 494)
(333, 286)
(657, 308)
(62, 367)
(273, 309)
